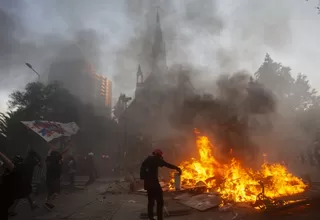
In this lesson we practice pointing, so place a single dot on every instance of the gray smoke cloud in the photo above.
(180, 23)
(226, 115)
(21, 44)
(183, 24)
(13, 48)
(255, 28)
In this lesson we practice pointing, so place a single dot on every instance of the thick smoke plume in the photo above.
(226, 117)
(190, 30)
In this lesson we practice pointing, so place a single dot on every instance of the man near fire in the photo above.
(149, 173)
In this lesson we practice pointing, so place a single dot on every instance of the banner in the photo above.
(50, 130)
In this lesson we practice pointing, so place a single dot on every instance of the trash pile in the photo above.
(208, 183)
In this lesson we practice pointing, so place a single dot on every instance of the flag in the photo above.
(50, 130)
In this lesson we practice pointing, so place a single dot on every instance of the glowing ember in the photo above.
(234, 182)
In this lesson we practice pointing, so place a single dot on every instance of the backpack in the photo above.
(144, 170)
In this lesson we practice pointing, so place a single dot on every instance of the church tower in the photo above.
(159, 59)
(139, 77)
(139, 83)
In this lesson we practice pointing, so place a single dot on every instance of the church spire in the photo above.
(158, 17)
(159, 60)
(139, 76)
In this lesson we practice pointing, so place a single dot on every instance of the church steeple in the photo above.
(159, 60)
(139, 76)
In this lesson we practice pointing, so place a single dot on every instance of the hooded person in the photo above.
(149, 174)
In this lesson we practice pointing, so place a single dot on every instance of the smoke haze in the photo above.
(194, 34)
(209, 39)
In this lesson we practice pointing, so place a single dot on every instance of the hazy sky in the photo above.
(215, 36)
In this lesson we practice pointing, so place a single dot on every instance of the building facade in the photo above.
(102, 94)
(157, 95)
(75, 74)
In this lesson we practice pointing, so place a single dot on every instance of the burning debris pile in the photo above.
(235, 183)
(229, 114)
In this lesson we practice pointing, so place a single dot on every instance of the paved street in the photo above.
(89, 204)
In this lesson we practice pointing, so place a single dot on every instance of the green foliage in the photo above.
(294, 93)
(53, 103)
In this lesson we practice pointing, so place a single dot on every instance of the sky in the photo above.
(214, 37)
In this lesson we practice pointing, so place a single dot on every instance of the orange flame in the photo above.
(234, 182)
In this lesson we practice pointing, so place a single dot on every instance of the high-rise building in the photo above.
(102, 93)
(103, 90)
(80, 78)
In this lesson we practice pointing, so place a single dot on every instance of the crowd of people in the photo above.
(17, 176)
(18, 172)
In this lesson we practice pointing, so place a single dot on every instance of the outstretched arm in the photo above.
(169, 165)
(7, 162)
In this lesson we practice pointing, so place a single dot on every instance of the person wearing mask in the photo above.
(149, 173)
(53, 174)
(11, 183)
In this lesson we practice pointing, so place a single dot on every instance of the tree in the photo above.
(121, 106)
(303, 97)
(318, 6)
(294, 93)
(275, 77)
(53, 103)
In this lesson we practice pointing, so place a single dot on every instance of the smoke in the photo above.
(181, 21)
(254, 29)
(194, 34)
(226, 116)
(12, 47)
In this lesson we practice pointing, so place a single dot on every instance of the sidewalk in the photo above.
(68, 203)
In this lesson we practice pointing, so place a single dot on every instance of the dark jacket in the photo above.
(54, 166)
(31, 161)
(149, 171)
(14, 184)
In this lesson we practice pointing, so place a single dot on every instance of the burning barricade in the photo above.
(234, 183)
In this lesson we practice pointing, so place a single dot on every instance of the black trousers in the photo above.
(155, 194)
(71, 175)
(53, 186)
(92, 178)
(5, 204)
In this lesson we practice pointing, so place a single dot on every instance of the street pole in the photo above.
(30, 67)
(125, 100)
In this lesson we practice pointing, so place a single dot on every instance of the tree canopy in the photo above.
(293, 92)
(52, 103)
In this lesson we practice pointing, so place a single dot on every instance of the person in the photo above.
(11, 187)
(53, 174)
(149, 174)
(28, 166)
(72, 169)
(91, 169)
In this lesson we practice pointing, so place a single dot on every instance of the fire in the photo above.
(234, 182)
